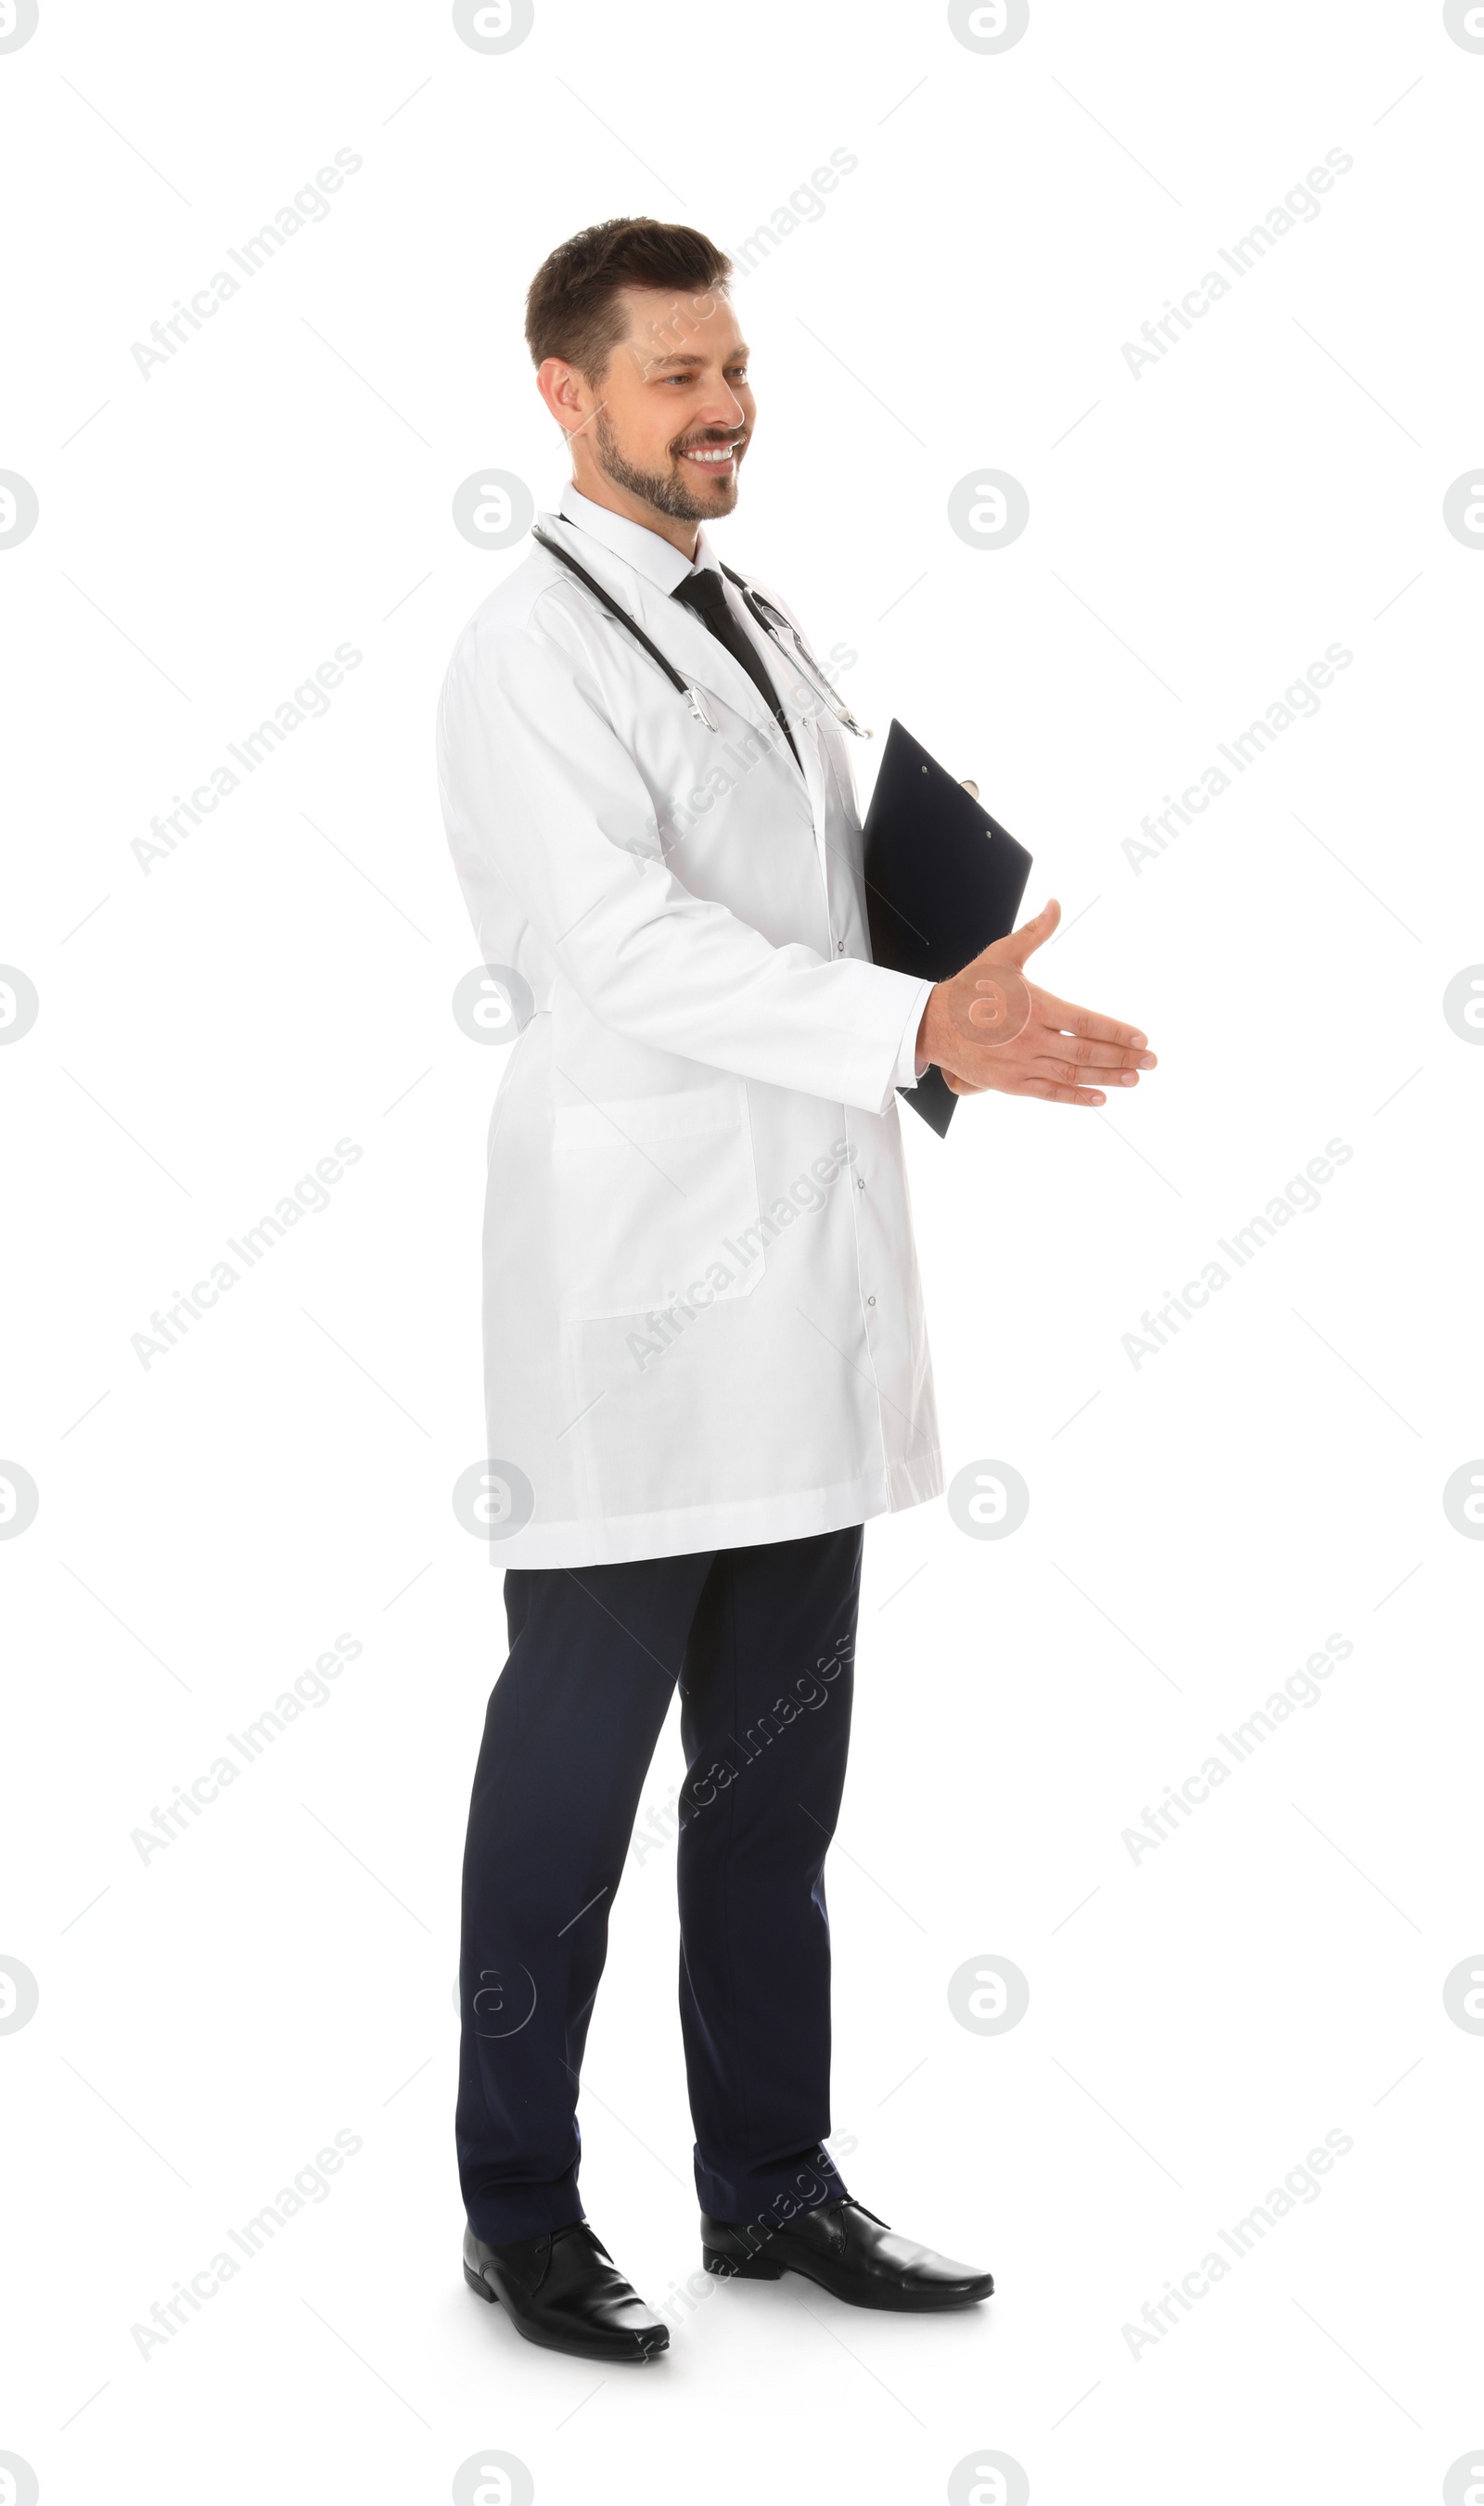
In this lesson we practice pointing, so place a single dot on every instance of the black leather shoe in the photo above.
(561, 2290)
(849, 2251)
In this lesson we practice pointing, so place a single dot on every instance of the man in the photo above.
(706, 1364)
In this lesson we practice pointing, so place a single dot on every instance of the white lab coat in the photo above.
(703, 1316)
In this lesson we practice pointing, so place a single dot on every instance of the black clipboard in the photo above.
(942, 879)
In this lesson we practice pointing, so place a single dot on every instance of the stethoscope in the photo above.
(775, 625)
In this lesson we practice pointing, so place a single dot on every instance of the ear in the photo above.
(564, 393)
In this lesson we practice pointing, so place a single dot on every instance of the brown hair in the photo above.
(572, 309)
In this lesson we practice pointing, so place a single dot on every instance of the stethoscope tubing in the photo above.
(773, 624)
(800, 657)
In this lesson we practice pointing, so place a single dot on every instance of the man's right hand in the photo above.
(987, 1027)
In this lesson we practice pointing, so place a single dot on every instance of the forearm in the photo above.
(545, 807)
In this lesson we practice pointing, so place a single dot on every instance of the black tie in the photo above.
(703, 591)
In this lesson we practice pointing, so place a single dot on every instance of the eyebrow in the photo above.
(681, 357)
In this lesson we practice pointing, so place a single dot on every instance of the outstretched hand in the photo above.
(987, 1027)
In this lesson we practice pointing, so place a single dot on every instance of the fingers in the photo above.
(1057, 1093)
(1053, 1046)
(1085, 1069)
(1089, 1025)
(1068, 1075)
(1058, 1083)
(1037, 1044)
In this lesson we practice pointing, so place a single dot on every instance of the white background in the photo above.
(1199, 1523)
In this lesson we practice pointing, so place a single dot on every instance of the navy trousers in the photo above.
(762, 1642)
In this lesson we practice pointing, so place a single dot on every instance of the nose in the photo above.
(725, 415)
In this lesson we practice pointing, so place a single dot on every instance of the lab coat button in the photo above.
(870, 1301)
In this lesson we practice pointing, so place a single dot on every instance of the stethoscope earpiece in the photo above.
(773, 624)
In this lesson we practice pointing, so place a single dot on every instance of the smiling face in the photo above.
(662, 433)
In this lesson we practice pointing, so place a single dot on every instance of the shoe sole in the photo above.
(637, 2357)
(756, 2268)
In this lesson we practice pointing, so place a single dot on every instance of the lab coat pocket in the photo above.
(656, 1196)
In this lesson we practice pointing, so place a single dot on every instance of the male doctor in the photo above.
(706, 1357)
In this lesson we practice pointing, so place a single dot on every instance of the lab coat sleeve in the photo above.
(910, 1064)
(543, 802)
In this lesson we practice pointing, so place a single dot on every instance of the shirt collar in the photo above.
(657, 560)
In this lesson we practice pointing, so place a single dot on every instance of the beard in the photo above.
(668, 493)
